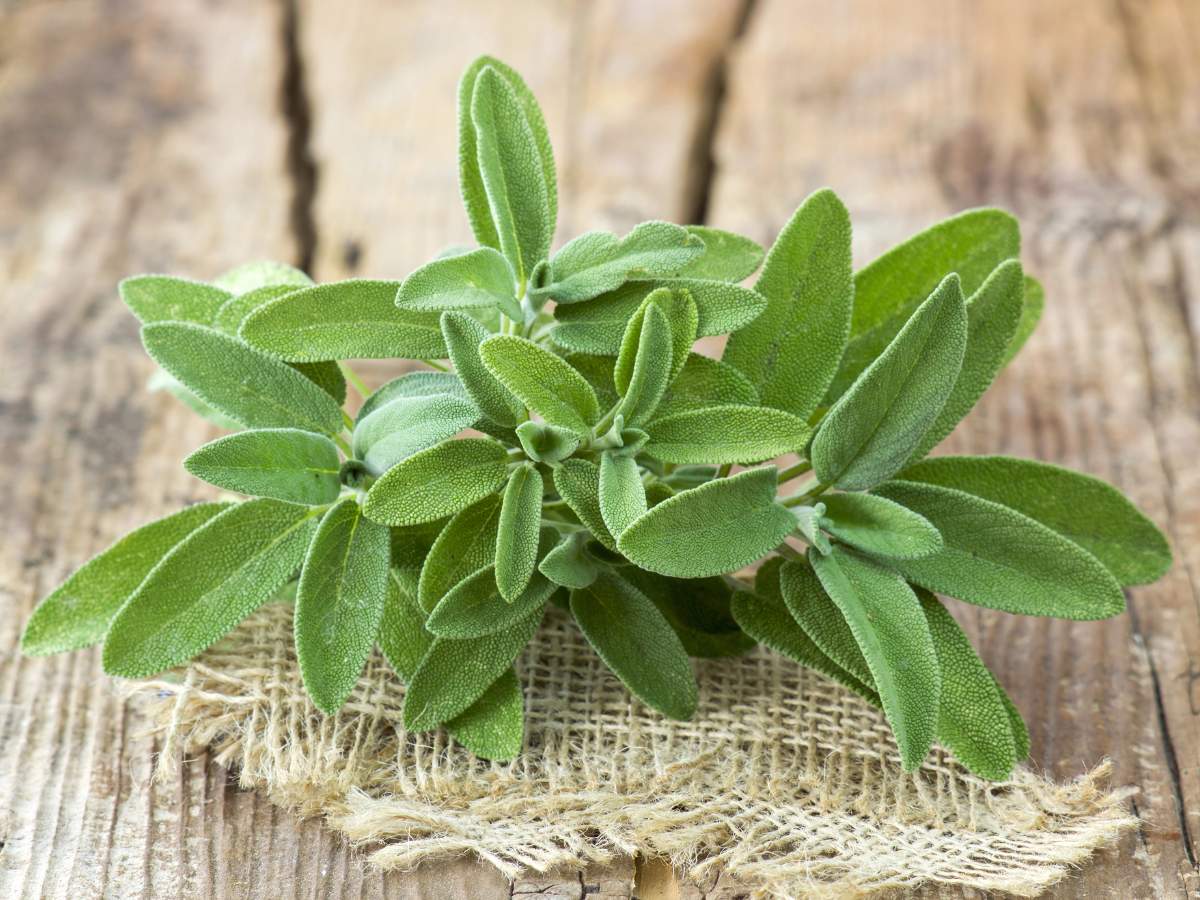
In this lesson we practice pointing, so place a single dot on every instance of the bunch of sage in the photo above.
(565, 445)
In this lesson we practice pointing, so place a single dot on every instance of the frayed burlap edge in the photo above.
(784, 781)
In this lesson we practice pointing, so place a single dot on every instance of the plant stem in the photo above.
(347, 421)
(357, 383)
(434, 364)
(723, 472)
(344, 444)
(794, 471)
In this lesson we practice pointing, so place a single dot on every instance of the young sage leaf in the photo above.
(622, 494)
(578, 483)
(879, 526)
(517, 539)
(395, 431)
(463, 336)
(569, 564)
(284, 463)
(643, 367)
(437, 482)
(477, 279)
(410, 385)
(542, 381)
(466, 544)
(727, 256)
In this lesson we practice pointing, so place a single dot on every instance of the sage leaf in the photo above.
(284, 463)
(698, 611)
(547, 444)
(542, 381)
(887, 622)
(791, 352)
(437, 482)
(637, 643)
(598, 372)
(238, 381)
(413, 384)
(326, 375)
(493, 727)
(569, 563)
(161, 298)
(879, 526)
(715, 528)
(395, 431)
(727, 256)
(643, 368)
(887, 291)
(343, 320)
(478, 279)
(465, 545)
(997, 557)
(513, 171)
(403, 637)
(457, 672)
(705, 382)
(517, 539)
(578, 483)
(340, 603)
(207, 584)
(726, 434)
(597, 262)
(78, 612)
(622, 495)
(164, 381)
(1032, 303)
(412, 543)
(874, 427)
(1081, 508)
(993, 313)
(261, 273)
(810, 520)
(973, 719)
(234, 311)
(474, 194)
(463, 335)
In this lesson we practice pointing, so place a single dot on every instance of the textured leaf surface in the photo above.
(1032, 304)
(879, 526)
(403, 637)
(234, 311)
(637, 643)
(698, 610)
(463, 336)
(395, 431)
(546, 443)
(493, 727)
(343, 320)
(997, 557)
(622, 495)
(517, 539)
(239, 381)
(875, 426)
(326, 375)
(715, 528)
(437, 482)
(340, 603)
(973, 719)
(1084, 509)
(644, 365)
(477, 279)
(597, 262)
(727, 256)
(164, 381)
(259, 274)
(578, 483)
(542, 381)
(162, 298)
(78, 612)
(890, 629)
(465, 545)
(284, 463)
(704, 382)
(413, 384)
(204, 587)
(569, 564)
(993, 313)
(791, 352)
(474, 607)
(726, 434)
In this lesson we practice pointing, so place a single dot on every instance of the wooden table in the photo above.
(189, 136)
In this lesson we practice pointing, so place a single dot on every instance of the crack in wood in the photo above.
(301, 166)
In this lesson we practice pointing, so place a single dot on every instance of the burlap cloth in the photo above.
(784, 780)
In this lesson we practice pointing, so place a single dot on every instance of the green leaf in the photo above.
(698, 610)
(879, 527)
(474, 606)
(1032, 302)
(78, 612)
(569, 564)
(765, 617)
(875, 426)
(284, 463)
(327, 375)
(643, 368)
(727, 256)
(726, 434)
(474, 280)
(467, 544)
(578, 483)
(637, 643)
(513, 171)
(413, 384)
(992, 317)
(598, 372)
(809, 521)
(886, 292)
(259, 274)
(457, 672)
(791, 352)
(887, 622)
(546, 443)
(622, 495)
(474, 194)
(463, 336)
(715, 528)
(517, 540)
(598, 262)
(161, 298)
(403, 637)
(343, 592)
(705, 382)
(395, 431)
(164, 381)
(207, 584)
(1081, 508)
(542, 381)
(437, 482)
(242, 383)
(343, 320)
(493, 727)
(997, 557)
(973, 719)
(234, 311)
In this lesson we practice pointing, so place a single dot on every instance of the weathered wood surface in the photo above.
(141, 136)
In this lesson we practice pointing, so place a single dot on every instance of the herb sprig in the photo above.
(568, 446)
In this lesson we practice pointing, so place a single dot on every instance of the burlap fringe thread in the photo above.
(783, 780)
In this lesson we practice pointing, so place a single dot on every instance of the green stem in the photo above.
(347, 421)
(357, 383)
(344, 444)
(724, 471)
(794, 471)
(434, 364)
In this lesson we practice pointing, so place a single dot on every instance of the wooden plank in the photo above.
(1083, 119)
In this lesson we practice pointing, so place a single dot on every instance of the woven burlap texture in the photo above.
(783, 780)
